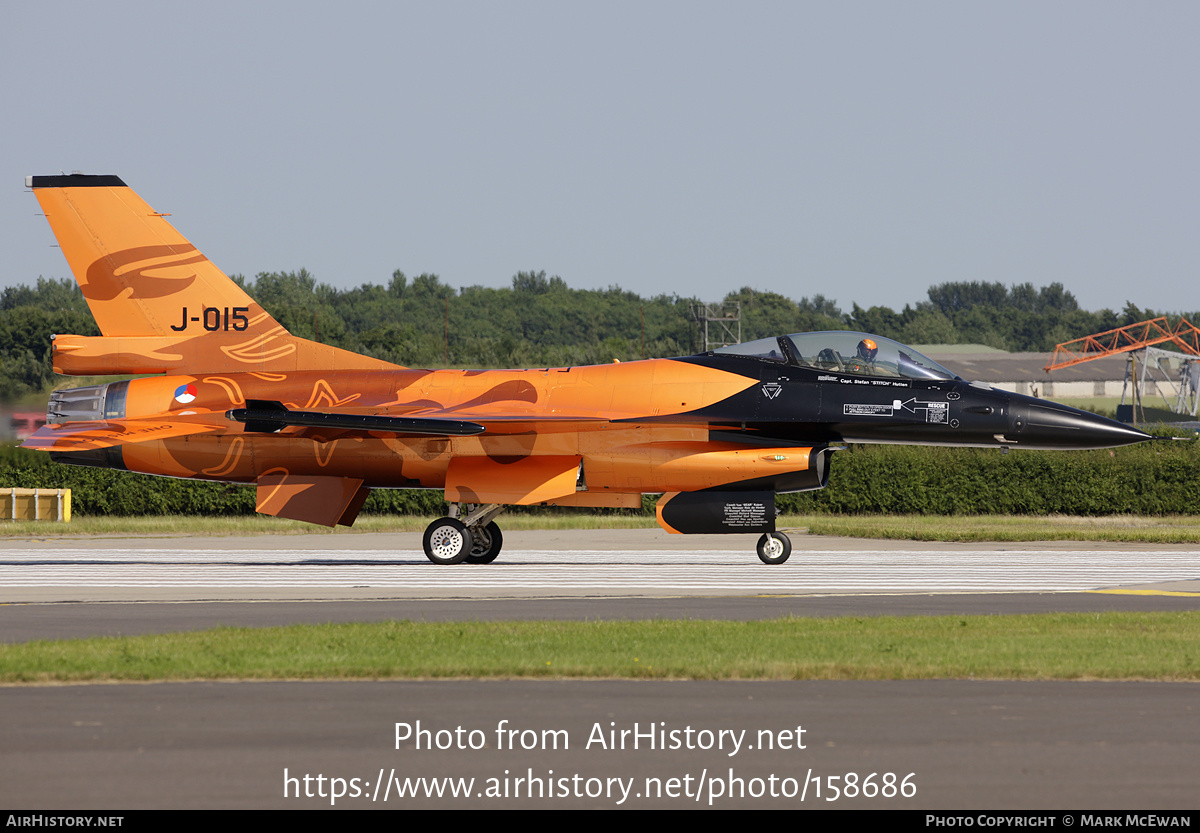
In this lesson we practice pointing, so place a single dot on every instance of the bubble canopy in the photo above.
(842, 351)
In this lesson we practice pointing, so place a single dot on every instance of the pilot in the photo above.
(864, 359)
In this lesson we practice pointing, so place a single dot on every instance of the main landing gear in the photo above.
(774, 548)
(473, 539)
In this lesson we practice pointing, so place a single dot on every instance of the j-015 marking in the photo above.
(216, 318)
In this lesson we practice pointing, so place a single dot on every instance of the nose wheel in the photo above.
(774, 548)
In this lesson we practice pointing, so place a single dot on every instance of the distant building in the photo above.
(1024, 372)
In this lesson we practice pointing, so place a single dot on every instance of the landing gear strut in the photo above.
(774, 548)
(472, 539)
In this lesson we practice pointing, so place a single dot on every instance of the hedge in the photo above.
(1159, 478)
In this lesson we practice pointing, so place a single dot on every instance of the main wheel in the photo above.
(447, 541)
(486, 542)
(774, 548)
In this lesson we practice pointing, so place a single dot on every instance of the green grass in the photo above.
(1168, 529)
(1117, 528)
(1079, 646)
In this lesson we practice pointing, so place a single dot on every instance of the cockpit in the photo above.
(840, 351)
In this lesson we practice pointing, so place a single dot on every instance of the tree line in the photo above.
(540, 321)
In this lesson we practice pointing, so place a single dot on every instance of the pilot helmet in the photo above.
(868, 349)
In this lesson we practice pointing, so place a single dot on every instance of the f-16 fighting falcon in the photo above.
(232, 396)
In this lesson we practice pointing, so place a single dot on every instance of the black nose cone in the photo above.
(1039, 424)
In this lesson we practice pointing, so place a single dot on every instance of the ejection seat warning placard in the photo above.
(868, 410)
(934, 411)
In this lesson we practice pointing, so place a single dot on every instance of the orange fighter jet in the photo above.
(237, 398)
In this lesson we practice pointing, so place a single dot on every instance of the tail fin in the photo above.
(160, 303)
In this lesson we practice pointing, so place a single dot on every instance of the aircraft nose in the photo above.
(1046, 425)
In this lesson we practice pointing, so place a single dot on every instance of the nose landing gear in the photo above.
(774, 548)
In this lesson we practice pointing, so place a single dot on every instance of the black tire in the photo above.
(447, 541)
(774, 548)
(486, 542)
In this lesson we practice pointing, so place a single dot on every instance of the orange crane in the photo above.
(1124, 339)
(1130, 339)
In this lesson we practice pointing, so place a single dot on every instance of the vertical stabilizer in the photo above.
(136, 271)
(160, 303)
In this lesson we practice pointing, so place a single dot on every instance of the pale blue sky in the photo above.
(860, 150)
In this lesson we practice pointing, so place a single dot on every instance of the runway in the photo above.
(624, 563)
(967, 744)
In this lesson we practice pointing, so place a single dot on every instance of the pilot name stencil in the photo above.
(749, 514)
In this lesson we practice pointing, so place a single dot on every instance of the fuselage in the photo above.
(700, 422)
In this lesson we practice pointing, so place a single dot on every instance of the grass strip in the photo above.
(1076, 646)
(1168, 529)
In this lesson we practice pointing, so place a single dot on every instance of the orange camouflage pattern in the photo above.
(554, 413)
(562, 436)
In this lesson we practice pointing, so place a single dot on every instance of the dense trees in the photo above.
(28, 316)
(541, 321)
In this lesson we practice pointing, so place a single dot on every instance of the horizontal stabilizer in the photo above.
(267, 417)
(84, 436)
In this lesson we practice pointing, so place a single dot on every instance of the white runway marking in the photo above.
(619, 571)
